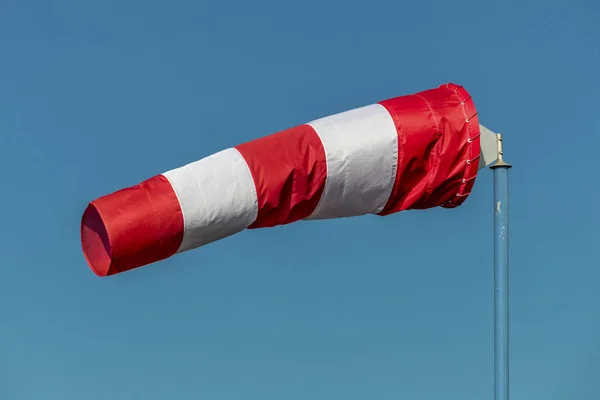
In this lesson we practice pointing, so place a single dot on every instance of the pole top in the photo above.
(500, 163)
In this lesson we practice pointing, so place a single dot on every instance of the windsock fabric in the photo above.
(411, 152)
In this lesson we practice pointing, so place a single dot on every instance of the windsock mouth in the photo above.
(95, 241)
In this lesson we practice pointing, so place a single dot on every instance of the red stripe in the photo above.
(132, 227)
(289, 170)
(433, 148)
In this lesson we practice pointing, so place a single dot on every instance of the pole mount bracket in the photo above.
(492, 151)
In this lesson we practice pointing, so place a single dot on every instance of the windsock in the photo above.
(410, 152)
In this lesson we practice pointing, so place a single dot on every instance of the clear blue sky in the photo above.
(95, 96)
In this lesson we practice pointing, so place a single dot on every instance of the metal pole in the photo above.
(501, 277)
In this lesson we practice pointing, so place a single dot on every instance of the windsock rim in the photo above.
(95, 241)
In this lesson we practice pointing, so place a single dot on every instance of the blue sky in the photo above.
(95, 96)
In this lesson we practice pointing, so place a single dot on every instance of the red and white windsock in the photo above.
(411, 152)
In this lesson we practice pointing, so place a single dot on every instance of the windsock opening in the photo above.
(95, 241)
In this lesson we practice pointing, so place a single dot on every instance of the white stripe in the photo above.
(361, 147)
(217, 196)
